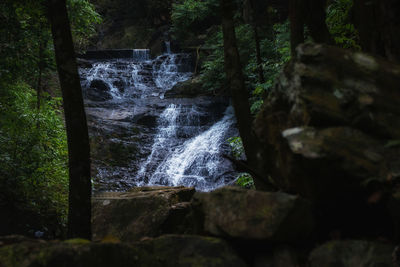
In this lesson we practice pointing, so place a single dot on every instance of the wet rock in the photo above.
(169, 250)
(190, 88)
(248, 214)
(98, 91)
(352, 253)
(141, 212)
(84, 63)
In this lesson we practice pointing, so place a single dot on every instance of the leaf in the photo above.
(392, 143)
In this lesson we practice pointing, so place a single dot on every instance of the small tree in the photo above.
(310, 13)
(240, 98)
(79, 213)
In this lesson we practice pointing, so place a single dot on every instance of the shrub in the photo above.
(33, 159)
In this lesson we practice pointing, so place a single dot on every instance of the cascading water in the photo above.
(140, 138)
(168, 47)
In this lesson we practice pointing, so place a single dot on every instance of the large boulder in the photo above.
(352, 253)
(249, 214)
(171, 250)
(328, 131)
(140, 212)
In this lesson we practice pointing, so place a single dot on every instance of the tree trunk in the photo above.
(312, 13)
(296, 24)
(234, 75)
(315, 18)
(42, 45)
(258, 55)
(79, 214)
(378, 25)
(250, 14)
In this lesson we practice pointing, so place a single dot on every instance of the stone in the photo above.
(328, 131)
(83, 63)
(140, 212)
(352, 253)
(170, 250)
(190, 88)
(249, 214)
(280, 257)
(182, 250)
(98, 91)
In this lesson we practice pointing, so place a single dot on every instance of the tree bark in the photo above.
(312, 13)
(296, 24)
(79, 215)
(258, 55)
(254, 24)
(234, 75)
(315, 19)
(378, 25)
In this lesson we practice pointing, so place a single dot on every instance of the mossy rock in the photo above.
(352, 253)
(172, 250)
(140, 212)
(249, 214)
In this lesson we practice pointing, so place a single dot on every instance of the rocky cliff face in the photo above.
(330, 132)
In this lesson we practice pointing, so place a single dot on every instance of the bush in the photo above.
(275, 54)
(340, 27)
(33, 160)
(193, 16)
(245, 180)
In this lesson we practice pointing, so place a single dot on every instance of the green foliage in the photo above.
(33, 149)
(392, 143)
(275, 54)
(245, 180)
(236, 146)
(212, 73)
(25, 37)
(189, 15)
(83, 19)
(342, 30)
(33, 155)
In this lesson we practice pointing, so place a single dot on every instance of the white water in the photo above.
(141, 54)
(166, 130)
(198, 158)
(168, 47)
(167, 74)
(185, 143)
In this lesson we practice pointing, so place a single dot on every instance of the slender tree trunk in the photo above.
(312, 13)
(315, 19)
(42, 46)
(254, 24)
(296, 24)
(233, 70)
(258, 55)
(79, 214)
(378, 25)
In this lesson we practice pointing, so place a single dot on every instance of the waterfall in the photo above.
(196, 162)
(168, 47)
(167, 125)
(141, 138)
(140, 54)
